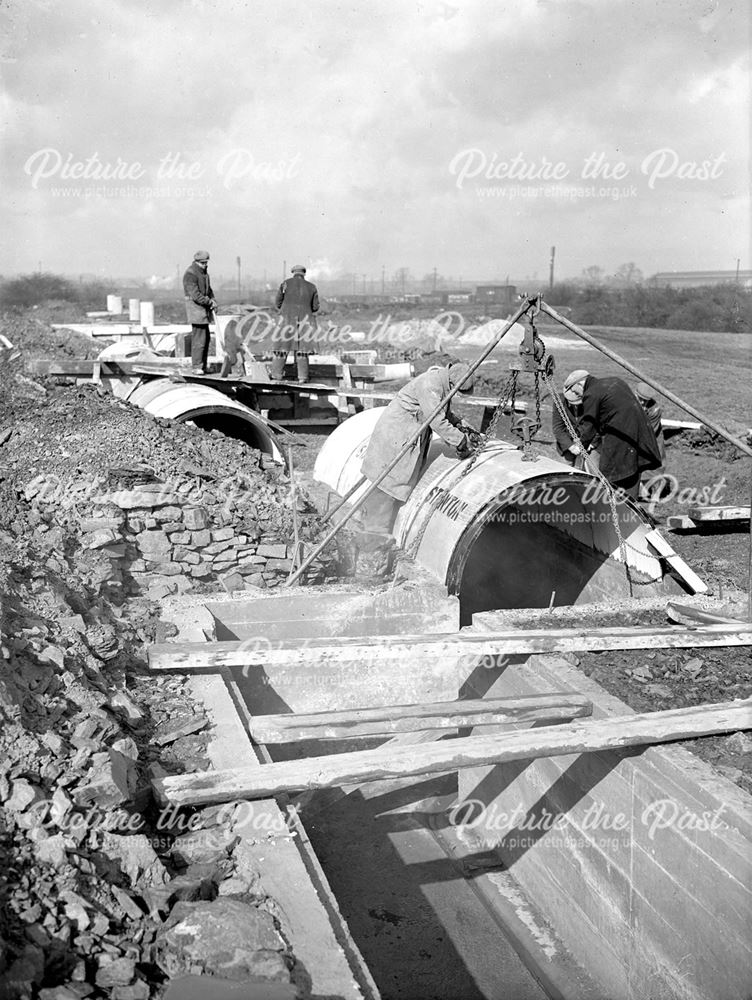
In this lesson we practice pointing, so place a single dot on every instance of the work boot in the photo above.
(301, 360)
(277, 373)
(378, 562)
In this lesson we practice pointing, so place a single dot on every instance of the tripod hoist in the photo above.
(535, 360)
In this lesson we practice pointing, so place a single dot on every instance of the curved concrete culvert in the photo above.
(208, 409)
(510, 533)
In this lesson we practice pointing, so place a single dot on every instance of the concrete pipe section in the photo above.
(208, 409)
(509, 533)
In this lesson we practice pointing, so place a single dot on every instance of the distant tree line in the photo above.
(42, 287)
(591, 300)
(715, 308)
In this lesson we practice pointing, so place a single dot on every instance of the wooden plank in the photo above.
(659, 543)
(389, 719)
(720, 513)
(472, 751)
(306, 653)
(669, 424)
(680, 522)
(114, 369)
(370, 395)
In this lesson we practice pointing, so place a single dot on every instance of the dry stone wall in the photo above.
(174, 537)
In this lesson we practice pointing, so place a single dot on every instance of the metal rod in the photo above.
(343, 500)
(408, 444)
(647, 378)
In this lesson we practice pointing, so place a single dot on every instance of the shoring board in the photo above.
(675, 561)
(680, 522)
(305, 653)
(720, 513)
(210, 787)
(389, 719)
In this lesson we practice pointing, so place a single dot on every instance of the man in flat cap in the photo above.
(397, 423)
(613, 421)
(298, 302)
(199, 308)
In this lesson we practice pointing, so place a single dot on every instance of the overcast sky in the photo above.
(385, 134)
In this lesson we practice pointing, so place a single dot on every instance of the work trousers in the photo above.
(379, 513)
(279, 358)
(199, 345)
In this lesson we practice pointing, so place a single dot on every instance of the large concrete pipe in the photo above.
(509, 533)
(206, 408)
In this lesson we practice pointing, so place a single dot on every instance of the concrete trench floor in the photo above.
(422, 930)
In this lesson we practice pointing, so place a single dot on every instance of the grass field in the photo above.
(711, 371)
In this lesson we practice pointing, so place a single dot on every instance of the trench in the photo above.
(422, 924)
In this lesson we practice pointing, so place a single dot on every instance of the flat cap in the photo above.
(298, 268)
(201, 255)
(458, 372)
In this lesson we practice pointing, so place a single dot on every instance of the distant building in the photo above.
(457, 298)
(695, 279)
(498, 295)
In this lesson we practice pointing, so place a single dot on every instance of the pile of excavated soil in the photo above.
(100, 894)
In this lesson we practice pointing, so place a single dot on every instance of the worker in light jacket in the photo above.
(397, 423)
(199, 308)
(613, 421)
(298, 302)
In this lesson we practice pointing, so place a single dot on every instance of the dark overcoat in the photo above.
(614, 420)
(399, 421)
(198, 295)
(298, 302)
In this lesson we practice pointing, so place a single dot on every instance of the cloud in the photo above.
(328, 132)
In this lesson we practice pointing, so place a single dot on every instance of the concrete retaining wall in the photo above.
(640, 859)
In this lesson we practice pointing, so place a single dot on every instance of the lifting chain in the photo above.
(506, 398)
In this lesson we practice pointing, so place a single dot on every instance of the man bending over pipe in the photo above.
(614, 423)
(397, 424)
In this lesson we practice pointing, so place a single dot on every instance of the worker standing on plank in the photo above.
(614, 423)
(199, 306)
(298, 302)
(397, 423)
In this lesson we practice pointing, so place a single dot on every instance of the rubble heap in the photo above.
(104, 510)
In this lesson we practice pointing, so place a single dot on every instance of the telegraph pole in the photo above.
(551, 270)
(383, 278)
(240, 293)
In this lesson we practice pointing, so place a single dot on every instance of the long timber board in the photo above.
(305, 653)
